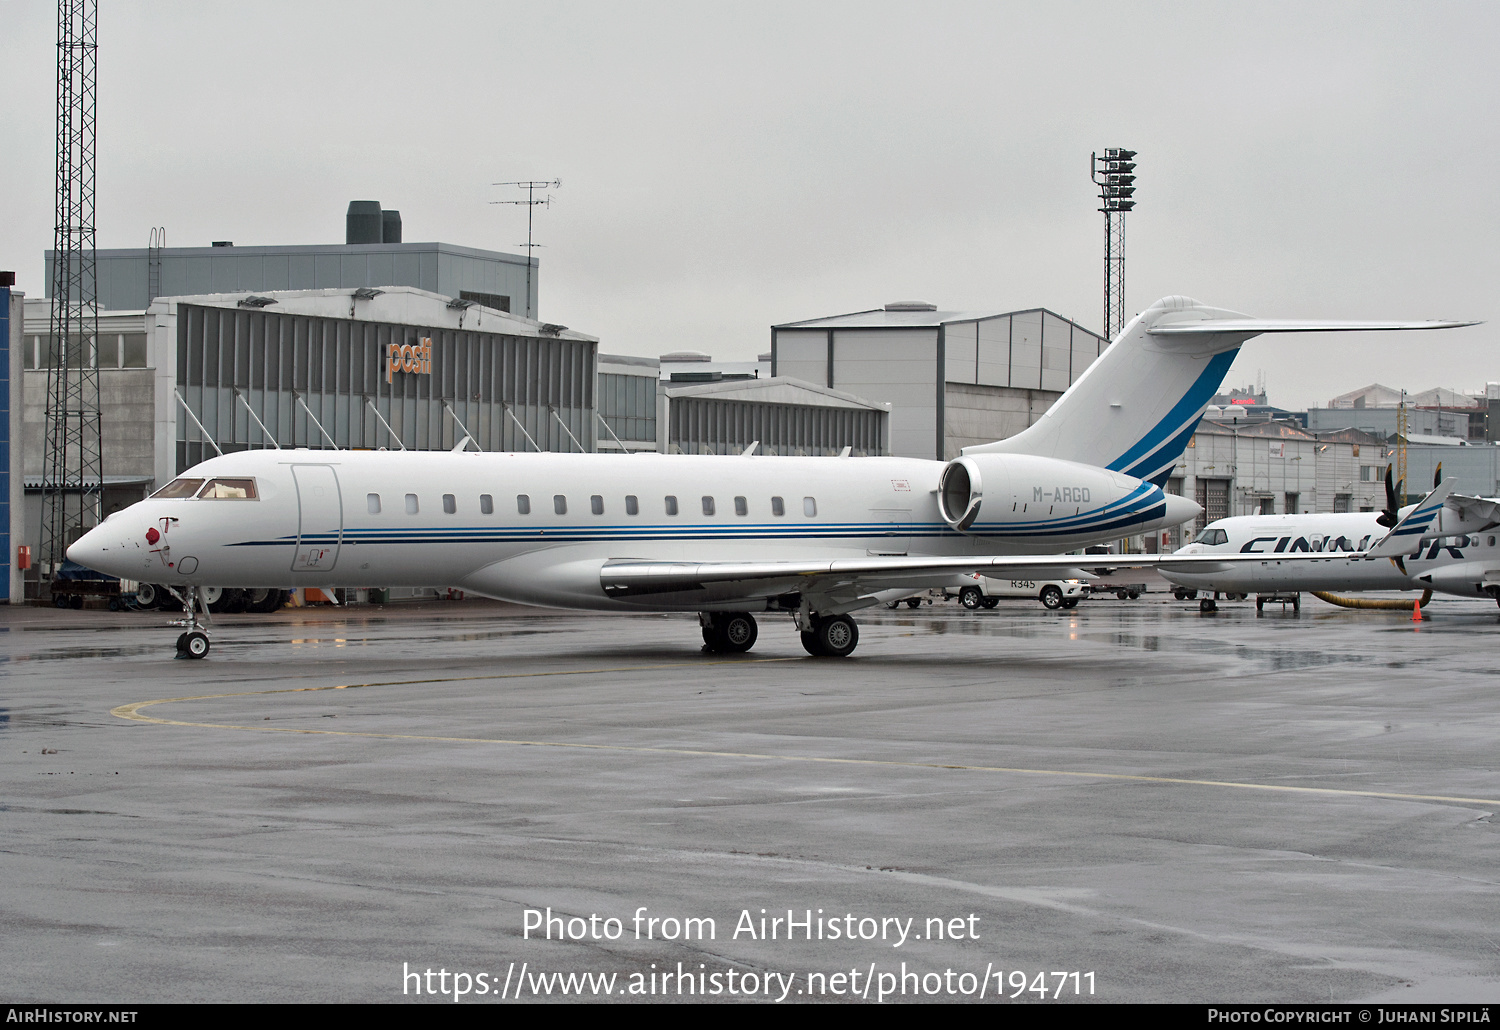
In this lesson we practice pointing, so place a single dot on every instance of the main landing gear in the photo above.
(193, 642)
(826, 636)
(728, 632)
(831, 636)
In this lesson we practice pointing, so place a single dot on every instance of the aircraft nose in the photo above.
(93, 551)
(1180, 510)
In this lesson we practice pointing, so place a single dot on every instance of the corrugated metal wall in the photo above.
(337, 367)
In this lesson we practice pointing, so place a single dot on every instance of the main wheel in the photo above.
(735, 632)
(1297, 603)
(1051, 597)
(193, 644)
(837, 636)
(810, 644)
(1207, 605)
(1260, 604)
(263, 601)
(893, 605)
(970, 597)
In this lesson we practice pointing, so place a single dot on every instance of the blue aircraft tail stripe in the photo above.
(1188, 407)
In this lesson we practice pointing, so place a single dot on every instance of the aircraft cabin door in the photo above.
(892, 529)
(320, 518)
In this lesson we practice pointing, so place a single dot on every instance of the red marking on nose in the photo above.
(152, 536)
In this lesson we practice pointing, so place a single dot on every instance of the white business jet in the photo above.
(1445, 542)
(727, 537)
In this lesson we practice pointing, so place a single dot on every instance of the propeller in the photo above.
(1437, 476)
(1389, 518)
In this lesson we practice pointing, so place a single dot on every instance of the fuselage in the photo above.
(1311, 552)
(537, 528)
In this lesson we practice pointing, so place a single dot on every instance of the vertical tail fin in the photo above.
(1135, 408)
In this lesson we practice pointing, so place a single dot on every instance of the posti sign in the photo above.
(409, 357)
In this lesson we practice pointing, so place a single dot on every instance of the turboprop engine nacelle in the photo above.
(1001, 493)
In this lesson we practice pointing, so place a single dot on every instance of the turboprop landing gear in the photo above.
(728, 632)
(832, 636)
(194, 642)
(1207, 605)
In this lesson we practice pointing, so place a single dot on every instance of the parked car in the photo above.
(984, 592)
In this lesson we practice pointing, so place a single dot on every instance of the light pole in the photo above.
(1114, 175)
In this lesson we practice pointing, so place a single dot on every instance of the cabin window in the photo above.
(486, 504)
(708, 505)
(179, 488)
(523, 504)
(671, 505)
(596, 504)
(632, 505)
(560, 504)
(741, 507)
(229, 490)
(411, 504)
(450, 504)
(778, 507)
(809, 507)
(1492, 541)
(372, 502)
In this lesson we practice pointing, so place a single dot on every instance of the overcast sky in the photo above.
(726, 167)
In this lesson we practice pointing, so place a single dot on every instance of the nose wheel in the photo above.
(194, 642)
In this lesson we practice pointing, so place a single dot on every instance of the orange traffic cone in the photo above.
(1416, 611)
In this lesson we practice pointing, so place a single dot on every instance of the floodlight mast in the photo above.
(531, 203)
(73, 474)
(1114, 175)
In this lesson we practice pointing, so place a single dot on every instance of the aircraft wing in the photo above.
(1487, 508)
(843, 578)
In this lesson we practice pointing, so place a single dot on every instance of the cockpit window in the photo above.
(179, 488)
(1211, 536)
(229, 490)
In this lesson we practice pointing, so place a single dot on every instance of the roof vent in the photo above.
(910, 305)
(223, 243)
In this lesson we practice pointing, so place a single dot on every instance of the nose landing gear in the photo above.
(193, 643)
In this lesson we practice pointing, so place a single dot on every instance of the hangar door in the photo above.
(320, 518)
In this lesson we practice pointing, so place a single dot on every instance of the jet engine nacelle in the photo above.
(987, 491)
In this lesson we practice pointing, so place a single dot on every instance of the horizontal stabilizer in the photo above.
(1253, 326)
(1486, 508)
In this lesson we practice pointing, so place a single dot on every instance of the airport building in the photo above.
(709, 411)
(372, 255)
(951, 379)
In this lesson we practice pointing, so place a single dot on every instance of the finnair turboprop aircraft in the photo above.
(814, 538)
(1445, 542)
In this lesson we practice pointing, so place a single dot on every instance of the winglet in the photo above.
(1402, 538)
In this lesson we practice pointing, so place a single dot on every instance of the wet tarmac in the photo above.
(1172, 806)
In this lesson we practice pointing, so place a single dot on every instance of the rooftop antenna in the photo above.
(531, 202)
(1114, 175)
